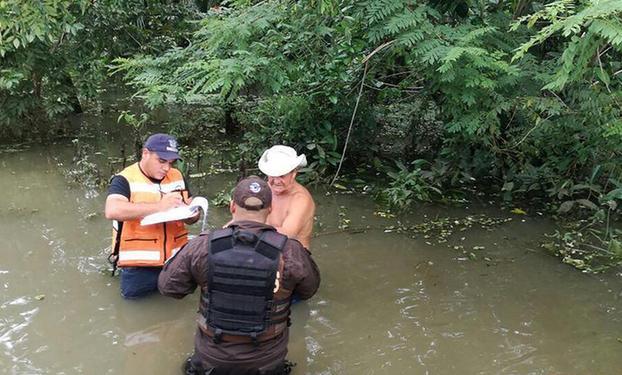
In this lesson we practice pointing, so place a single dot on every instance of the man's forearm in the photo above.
(176, 279)
(118, 207)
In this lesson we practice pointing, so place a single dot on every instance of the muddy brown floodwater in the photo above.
(388, 303)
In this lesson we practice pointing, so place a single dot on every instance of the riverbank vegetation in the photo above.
(434, 98)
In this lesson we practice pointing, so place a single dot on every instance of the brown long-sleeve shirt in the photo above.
(188, 269)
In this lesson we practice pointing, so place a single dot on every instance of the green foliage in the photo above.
(296, 57)
(408, 128)
(521, 97)
(225, 57)
(261, 49)
(594, 35)
(297, 67)
(410, 185)
(24, 25)
(54, 53)
(588, 249)
(579, 109)
(31, 42)
(590, 196)
(223, 198)
(290, 120)
(136, 126)
(83, 171)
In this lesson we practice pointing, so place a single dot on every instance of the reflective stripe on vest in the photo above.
(141, 187)
(131, 255)
(150, 245)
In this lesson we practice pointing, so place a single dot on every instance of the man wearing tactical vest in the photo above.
(247, 273)
(146, 187)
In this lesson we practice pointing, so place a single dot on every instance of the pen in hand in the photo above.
(171, 200)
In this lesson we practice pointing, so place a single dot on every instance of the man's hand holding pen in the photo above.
(171, 200)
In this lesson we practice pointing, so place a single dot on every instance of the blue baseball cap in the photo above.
(164, 145)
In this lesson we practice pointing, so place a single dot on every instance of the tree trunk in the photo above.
(231, 125)
(76, 107)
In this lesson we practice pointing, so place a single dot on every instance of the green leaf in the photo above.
(615, 247)
(603, 76)
(588, 204)
(508, 186)
(613, 194)
(565, 207)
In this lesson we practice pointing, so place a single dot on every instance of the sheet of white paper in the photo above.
(177, 213)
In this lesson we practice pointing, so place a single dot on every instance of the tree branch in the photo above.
(356, 106)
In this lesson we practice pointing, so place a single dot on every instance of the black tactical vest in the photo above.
(242, 271)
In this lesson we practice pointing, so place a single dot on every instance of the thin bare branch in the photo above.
(356, 106)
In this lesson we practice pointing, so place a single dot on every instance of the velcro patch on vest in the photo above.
(221, 240)
(271, 244)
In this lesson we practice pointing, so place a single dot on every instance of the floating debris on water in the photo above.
(442, 228)
(91, 215)
(384, 214)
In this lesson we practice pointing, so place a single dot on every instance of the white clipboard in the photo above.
(177, 213)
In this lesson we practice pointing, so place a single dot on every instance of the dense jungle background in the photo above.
(409, 101)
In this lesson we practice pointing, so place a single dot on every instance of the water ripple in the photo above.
(13, 335)
(313, 347)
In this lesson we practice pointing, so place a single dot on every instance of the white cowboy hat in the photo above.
(279, 160)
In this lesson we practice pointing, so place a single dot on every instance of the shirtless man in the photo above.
(292, 205)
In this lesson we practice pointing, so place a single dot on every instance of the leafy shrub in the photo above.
(407, 186)
(54, 53)
(408, 128)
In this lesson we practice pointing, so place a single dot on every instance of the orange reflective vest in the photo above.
(149, 245)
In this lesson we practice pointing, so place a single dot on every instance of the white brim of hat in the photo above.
(279, 166)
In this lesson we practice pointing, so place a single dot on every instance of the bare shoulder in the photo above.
(302, 197)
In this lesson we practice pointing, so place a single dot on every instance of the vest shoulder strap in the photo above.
(130, 171)
(174, 174)
(220, 240)
(271, 244)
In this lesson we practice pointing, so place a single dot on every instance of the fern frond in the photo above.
(609, 29)
(378, 10)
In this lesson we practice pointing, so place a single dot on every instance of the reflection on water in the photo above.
(388, 304)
